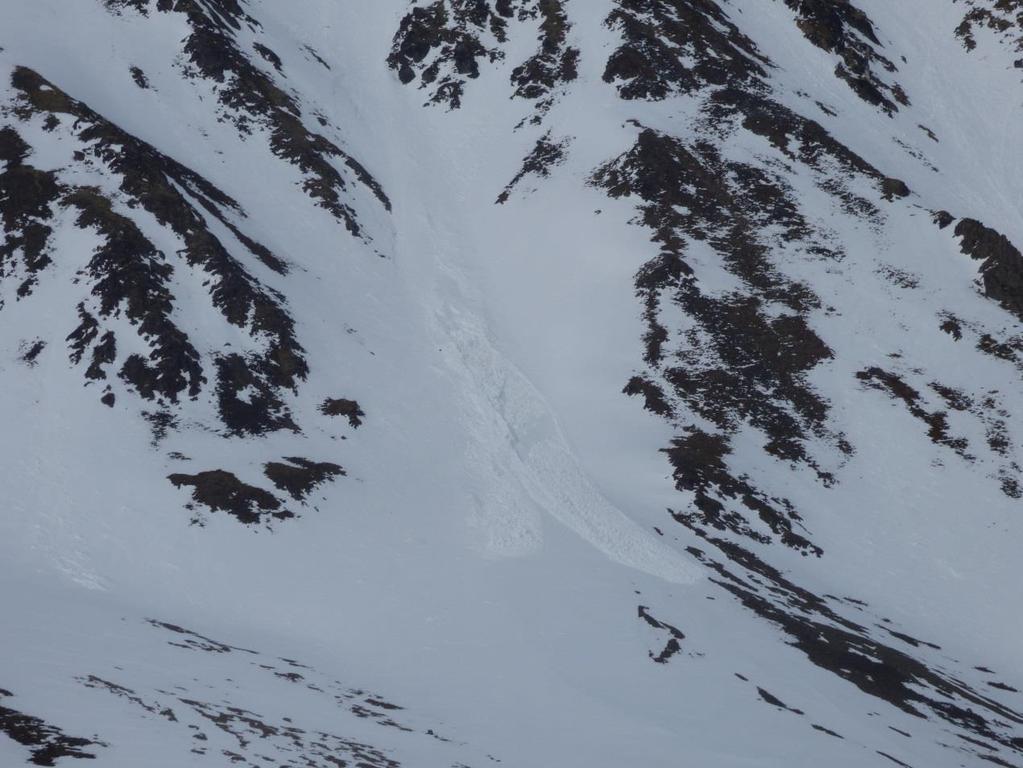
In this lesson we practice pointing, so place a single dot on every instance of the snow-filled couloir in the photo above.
(511, 382)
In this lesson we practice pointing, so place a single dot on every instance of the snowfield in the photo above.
(511, 382)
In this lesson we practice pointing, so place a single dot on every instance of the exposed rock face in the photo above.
(738, 365)
(745, 360)
(298, 477)
(1003, 17)
(672, 46)
(846, 31)
(46, 742)
(130, 280)
(555, 62)
(342, 406)
(483, 331)
(1001, 265)
(251, 98)
(129, 275)
(223, 492)
(442, 44)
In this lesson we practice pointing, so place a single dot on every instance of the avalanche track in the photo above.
(525, 382)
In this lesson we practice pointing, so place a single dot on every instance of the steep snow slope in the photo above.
(581, 382)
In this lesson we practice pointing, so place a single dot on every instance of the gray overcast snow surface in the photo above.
(529, 383)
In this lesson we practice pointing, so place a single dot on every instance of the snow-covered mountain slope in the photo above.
(521, 382)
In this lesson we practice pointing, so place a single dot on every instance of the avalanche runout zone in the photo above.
(745, 358)
(746, 190)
